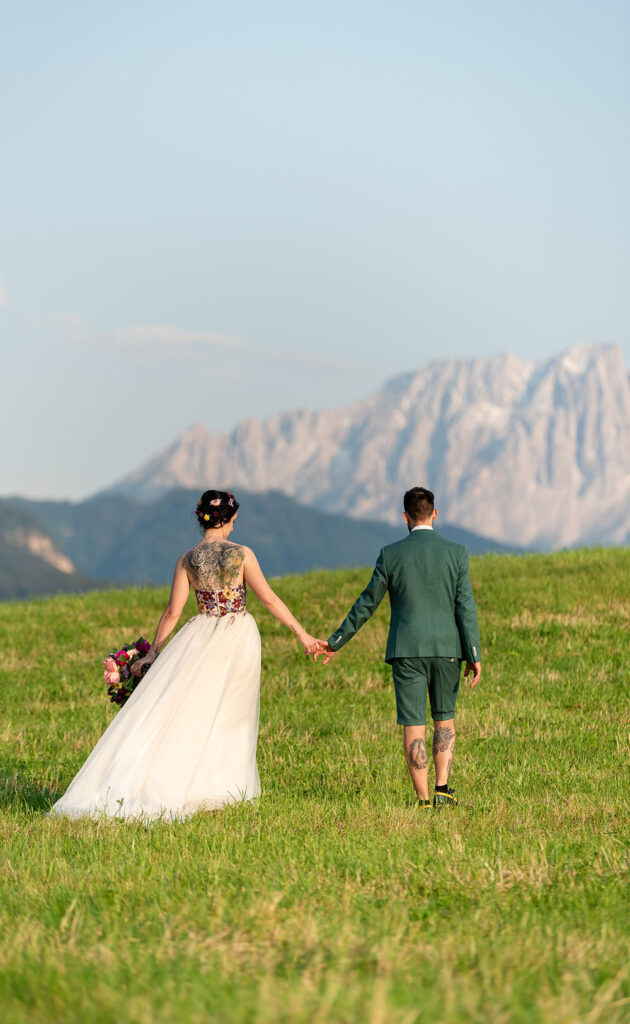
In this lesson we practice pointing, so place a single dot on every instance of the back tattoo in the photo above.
(214, 566)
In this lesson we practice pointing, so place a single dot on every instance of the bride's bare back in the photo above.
(215, 569)
(215, 565)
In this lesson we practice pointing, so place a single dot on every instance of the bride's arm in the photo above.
(170, 616)
(255, 580)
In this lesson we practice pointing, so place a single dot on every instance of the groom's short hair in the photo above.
(419, 504)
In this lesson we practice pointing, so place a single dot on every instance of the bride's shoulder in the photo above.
(249, 558)
(237, 552)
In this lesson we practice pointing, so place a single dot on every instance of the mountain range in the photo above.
(60, 546)
(31, 564)
(532, 454)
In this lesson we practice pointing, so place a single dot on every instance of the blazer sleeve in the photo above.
(364, 606)
(466, 613)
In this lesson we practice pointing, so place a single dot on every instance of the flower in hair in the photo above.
(215, 501)
(206, 517)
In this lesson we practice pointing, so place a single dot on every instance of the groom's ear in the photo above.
(435, 514)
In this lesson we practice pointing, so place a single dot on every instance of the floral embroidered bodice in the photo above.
(213, 568)
(222, 602)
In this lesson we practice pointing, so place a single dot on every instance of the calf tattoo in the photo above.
(417, 754)
(443, 739)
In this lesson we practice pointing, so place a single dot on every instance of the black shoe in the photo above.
(442, 799)
(424, 803)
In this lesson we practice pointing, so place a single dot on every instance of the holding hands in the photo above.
(314, 647)
(322, 647)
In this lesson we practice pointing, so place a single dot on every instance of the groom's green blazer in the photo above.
(433, 611)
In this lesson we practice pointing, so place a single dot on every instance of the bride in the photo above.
(186, 739)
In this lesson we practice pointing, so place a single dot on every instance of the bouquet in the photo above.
(120, 682)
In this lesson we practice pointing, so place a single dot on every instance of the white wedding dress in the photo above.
(186, 739)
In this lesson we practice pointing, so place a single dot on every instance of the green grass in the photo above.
(331, 900)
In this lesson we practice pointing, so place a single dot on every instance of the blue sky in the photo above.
(224, 209)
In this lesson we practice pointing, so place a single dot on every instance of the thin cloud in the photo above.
(319, 362)
(170, 335)
(61, 321)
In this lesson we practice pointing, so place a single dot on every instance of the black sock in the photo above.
(442, 789)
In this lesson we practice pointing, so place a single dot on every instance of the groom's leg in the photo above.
(444, 676)
(410, 683)
(417, 759)
(443, 748)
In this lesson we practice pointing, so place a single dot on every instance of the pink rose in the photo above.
(111, 678)
(215, 501)
(110, 665)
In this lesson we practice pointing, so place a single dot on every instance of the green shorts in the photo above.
(414, 676)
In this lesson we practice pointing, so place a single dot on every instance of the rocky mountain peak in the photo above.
(520, 451)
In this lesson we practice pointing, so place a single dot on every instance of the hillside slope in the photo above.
(31, 564)
(119, 538)
(334, 898)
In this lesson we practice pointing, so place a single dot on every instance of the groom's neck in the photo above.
(421, 522)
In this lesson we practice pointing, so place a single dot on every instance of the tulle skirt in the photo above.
(185, 740)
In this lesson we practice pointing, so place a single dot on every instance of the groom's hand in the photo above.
(475, 668)
(325, 649)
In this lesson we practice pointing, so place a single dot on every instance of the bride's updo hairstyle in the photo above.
(215, 508)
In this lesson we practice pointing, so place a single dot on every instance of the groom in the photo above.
(433, 628)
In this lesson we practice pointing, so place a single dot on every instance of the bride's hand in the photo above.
(309, 643)
(136, 668)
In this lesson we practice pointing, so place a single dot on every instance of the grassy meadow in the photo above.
(333, 899)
